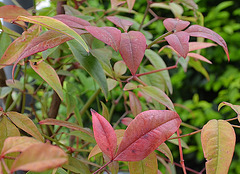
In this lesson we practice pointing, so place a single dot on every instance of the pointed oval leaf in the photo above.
(17, 144)
(72, 21)
(122, 23)
(153, 128)
(218, 142)
(16, 48)
(56, 25)
(199, 57)
(40, 157)
(104, 134)
(126, 121)
(236, 108)
(76, 166)
(26, 124)
(200, 31)
(135, 104)
(166, 151)
(132, 49)
(149, 165)
(199, 45)
(175, 24)
(67, 124)
(179, 42)
(158, 95)
(109, 35)
(49, 75)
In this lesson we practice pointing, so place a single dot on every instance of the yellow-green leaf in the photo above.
(146, 166)
(76, 166)
(26, 124)
(218, 142)
(49, 75)
(56, 25)
(166, 151)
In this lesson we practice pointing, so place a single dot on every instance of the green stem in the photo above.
(14, 103)
(55, 141)
(159, 38)
(24, 89)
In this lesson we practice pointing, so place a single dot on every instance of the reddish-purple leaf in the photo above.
(109, 35)
(175, 24)
(126, 121)
(130, 4)
(122, 23)
(199, 57)
(104, 134)
(116, 3)
(135, 104)
(72, 21)
(199, 45)
(179, 42)
(132, 49)
(200, 31)
(145, 133)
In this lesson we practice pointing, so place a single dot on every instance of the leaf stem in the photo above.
(145, 14)
(186, 135)
(181, 153)
(138, 80)
(5, 166)
(101, 168)
(159, 38)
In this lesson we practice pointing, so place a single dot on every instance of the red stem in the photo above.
(101, 168)
(181, 153)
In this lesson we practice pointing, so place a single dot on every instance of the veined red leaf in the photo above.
(126, 121)
(49, 75)
(199, 45)
(67, 124)
(130, 4)
(199, 57)
(175, 24)
(153, 128)
(116, 3)
(132, 49)
(40, 157)
(218, 142)
(16, 48)
(72, 21)
(148, 165)
(135, 104)
(26, 124)
(158, 95)
(56, 25)
(179, 41)
(109, 35)
(122, 23)
(17, 144)
(200, 31)
(104, 134)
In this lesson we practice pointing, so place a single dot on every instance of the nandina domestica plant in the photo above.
(99, 58)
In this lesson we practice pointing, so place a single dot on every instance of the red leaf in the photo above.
(145, 133)
(175, 24)
(126, 121)
(132, 49)
(179, 42)
(72, 21)
(135, 104)
(200, 31)
(199, 45)
(122, 23)
(104, 134)
(199, 57)
(109, 35)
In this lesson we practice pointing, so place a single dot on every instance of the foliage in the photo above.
(94, 56)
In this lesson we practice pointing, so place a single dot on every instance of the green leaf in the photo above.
(70, 102)
(148, 165)
(218, 142)
(158, 95)
(158, 63)
(26, 124)
(105, 112)
(56, 25)
(196, 64)
(5, 41)
(236, 108)
(49, 75)
(4, 91)
(175, 141)
(166, 151)
(76, 166)
(90, 64)
(83, 136)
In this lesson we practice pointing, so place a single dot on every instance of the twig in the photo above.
(181, 153)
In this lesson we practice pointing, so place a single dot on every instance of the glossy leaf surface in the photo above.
(179, 42)
(132, 49)
(158, 95)
(90, 64)
(67, 124)
(122, 23)
(26, 124)
(40, 157)
(148, 165)
(175, 24)
(49, 75)
(109, 35)
(56, 25)
(199, 31)
(16, 48)
(104, 134)
(154, 127)
(218, 142)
